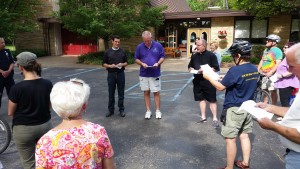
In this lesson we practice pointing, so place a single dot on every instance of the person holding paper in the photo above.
(150, 55)
(115, 61)
(289, 127)
(203, 90)
(240, 83)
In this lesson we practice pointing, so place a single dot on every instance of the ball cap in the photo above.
(26, 59)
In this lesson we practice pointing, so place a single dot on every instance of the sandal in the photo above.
(240, 164)
(202, 121)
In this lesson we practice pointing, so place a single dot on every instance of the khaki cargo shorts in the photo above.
(236, 123)
(150, 83)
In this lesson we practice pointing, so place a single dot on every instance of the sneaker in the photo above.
(158, 114)
(148, 115)
(215, 124)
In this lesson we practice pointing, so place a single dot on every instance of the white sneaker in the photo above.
(158, 114)
(148, 115)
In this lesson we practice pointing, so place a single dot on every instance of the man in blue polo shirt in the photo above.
(150, 55)
(6, 69)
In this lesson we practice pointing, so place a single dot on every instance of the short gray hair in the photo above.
(203, 41)
(146, 34)
(68, 97)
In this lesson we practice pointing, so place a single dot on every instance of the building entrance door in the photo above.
(192, 34)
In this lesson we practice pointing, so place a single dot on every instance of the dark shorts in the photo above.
(204, 90)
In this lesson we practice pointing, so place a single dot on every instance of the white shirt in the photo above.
(292, 119)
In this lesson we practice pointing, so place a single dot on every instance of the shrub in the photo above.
(227, 58)
(254, 60)
(38, 52)
(257, 51)
(96, 58)
(130, 57)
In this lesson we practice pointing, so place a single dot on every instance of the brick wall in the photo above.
(221, 24)
(281, 26)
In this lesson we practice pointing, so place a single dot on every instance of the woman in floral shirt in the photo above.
(74, 143)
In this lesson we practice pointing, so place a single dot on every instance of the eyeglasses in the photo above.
(285, 47)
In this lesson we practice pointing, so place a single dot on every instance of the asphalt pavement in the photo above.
(174, 142)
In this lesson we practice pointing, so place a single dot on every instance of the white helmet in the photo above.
(274, 37)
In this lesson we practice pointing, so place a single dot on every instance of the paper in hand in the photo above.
(256, 112)
(194, 71)
(209, 71)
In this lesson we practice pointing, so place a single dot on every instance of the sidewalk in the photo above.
(169, 64)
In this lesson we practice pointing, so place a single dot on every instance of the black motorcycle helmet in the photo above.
(243, 48)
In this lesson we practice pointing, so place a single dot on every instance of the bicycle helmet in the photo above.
(274, 37)
(240, 47)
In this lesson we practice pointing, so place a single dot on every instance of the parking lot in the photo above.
(174, 142)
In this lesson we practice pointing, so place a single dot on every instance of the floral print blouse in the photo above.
(79, 147)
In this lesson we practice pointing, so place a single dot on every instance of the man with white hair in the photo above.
(150, 55)
(203, 89)
(289, 127)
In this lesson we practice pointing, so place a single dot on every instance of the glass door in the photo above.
(192, 34)
(171, 39)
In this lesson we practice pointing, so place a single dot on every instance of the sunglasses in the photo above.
(285, 47)
(269, 40)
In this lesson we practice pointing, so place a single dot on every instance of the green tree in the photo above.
(17, 16)
(202, 5)
(266, 8)
(103, 18)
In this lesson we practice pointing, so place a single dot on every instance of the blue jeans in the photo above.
(292, 160)
(116, 79)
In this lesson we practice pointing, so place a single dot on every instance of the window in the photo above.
(242, 29)
(294, 31)
(254, 31)
(259, 29)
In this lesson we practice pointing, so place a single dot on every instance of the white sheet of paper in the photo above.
(274, 78)
(194, 71)
(257, 112)
(207, 69)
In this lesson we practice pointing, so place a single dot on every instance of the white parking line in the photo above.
(81, 72)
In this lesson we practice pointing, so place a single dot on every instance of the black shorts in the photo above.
(204, 90)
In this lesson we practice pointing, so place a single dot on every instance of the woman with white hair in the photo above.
(29, 106)
(74, 143)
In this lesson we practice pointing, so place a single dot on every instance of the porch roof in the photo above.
(204, 14)
(174, 6)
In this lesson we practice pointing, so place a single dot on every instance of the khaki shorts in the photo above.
(267, 84)
(236, 123)
(150, 83)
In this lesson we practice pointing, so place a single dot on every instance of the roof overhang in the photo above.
(204, 14)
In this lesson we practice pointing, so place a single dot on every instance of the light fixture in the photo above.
(198, 18)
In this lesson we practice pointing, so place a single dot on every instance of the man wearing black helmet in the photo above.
(268, 64)
(240, 83)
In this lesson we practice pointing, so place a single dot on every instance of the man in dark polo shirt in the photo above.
(6, 69)
(115, 61)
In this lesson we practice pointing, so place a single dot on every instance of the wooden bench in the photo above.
(170, 51)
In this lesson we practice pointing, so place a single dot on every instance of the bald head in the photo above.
(293, 59)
